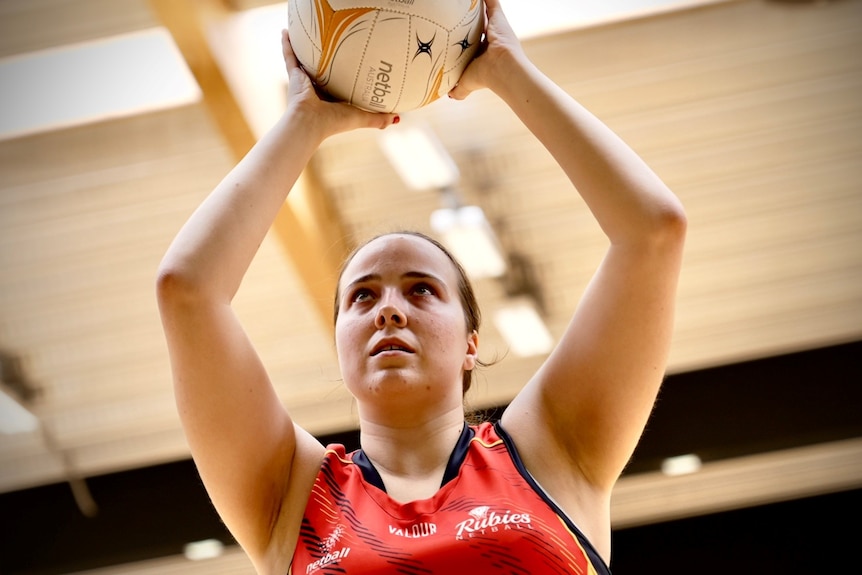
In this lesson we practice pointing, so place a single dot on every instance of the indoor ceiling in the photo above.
(750, 110)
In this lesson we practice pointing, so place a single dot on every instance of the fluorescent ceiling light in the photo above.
(201, 550)
(247, 47)
(419, 157)
(93, 81)
(523, 329)
(681, 465)
(467, 234)
(14, 418)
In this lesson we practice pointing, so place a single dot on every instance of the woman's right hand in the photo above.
(335, 117)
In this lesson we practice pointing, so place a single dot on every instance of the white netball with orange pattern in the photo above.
(385, 55)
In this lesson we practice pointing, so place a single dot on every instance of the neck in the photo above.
(417, 450)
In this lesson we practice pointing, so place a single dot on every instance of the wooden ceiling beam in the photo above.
(307, 226)
(738, 482)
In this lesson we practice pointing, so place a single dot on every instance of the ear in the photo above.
(472, 351)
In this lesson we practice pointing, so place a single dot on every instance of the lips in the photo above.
(391, 345)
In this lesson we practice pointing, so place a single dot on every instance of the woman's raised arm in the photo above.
(251, 457)
(588, 404)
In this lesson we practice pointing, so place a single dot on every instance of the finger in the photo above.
(390, 121)
(290, 60)
(495, 12)
(381, 121)
(459, 92)
(491, 7)
(358, 118)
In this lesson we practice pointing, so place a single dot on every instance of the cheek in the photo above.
(448, 333)
(345, 338)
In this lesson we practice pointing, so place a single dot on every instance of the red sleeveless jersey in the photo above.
(488, 517)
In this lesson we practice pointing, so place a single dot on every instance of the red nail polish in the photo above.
(396, 119)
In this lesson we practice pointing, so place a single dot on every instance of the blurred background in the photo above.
(117, 117)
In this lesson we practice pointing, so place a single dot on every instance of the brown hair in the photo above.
(472, 313)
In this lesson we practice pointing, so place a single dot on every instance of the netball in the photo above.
(385, 55)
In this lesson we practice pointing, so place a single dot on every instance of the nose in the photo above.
(389, 314)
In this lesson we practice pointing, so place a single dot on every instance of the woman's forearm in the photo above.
(213, 250)
(628, 199)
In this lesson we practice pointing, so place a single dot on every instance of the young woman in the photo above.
(426, 493)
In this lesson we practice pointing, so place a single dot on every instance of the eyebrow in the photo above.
(407, 275)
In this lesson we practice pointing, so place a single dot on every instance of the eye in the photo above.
(361, 295)
(423, 289)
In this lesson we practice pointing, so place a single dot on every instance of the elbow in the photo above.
(673, 221)
(653, 218)
(174, 286)
(180, 285)
(667, 223)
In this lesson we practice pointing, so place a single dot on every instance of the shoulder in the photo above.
(309, 459)
(559, 475)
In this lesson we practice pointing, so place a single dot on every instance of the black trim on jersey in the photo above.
(595, 558)
(459, 454)
(453, 466)
(369, 472)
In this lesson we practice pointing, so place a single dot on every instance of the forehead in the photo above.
(398, 254)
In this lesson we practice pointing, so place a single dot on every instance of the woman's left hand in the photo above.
(336, 116)
(501, 47)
